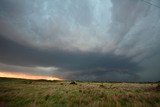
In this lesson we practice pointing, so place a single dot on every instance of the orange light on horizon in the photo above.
(26, 76)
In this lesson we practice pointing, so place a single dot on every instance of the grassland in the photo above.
(31, 93)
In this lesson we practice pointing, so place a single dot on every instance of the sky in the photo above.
(89, 40)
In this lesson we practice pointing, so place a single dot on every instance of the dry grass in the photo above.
(27, 93)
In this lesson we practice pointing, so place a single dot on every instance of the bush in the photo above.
(73, 82)
(158, 87)
(102, 86)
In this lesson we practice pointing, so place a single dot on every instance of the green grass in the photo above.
(42, 93)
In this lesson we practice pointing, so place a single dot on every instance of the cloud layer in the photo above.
(85, 40)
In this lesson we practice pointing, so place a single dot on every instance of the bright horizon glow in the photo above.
(26, 76)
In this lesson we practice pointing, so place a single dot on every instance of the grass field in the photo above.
(41, 93)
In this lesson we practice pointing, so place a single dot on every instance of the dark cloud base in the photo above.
(77, 64)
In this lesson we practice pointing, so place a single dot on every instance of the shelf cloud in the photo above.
(81, 39)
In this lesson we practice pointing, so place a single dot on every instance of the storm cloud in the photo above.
(81, 39)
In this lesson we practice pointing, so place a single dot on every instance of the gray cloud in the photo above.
(71, 65)
(93, 40)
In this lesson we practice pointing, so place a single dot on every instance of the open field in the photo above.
(31, 93)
